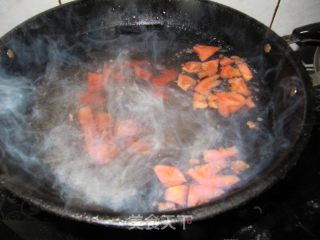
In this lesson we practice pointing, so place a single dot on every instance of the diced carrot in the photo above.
(251, 124)
(205, 51)
(219, 154)
(223, 109)
(192, 67)
(86, 120)
(142, 73)
(139, 147)
(200, 194)
(250, 103)
(89, 133)
(245, 71)
(239, 166)
(203, 74)
(126, 128)
(199, 101)
(92, 99)
(225, 181)
(103, 153)
(86, 116)
(169, 176)
(166, 206)
(218, 165)
(239, 85)
(224, 61)
(211, 67)
(236, 59)
(202, 90)
(95, 82)
(177, 194)
(167, 76)
(229, 72)
(119, 76)
(229, 102)
(203, 174)
(160, 92)
(212, 101)
(204, 86)
(103, 122)
(185, 82)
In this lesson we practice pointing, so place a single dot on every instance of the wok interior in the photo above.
(56, 62)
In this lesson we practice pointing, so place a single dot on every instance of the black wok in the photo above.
(81, 28)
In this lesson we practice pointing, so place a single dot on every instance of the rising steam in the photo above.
(35, 126)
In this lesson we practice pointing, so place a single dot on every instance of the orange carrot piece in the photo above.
(199, 101)
(229, 72)
(200, 194)
(205, 51)
(249, 103)
(202, 90)
(159, 82)
(211, 67)
(166, 206)
(119, 76)
(204, 86)
(212, 101)
(251, 124)
(160, 92)
(237, 59)
(200, 173)
(185, 82)
(126, 128)
(142, 73)
(86, 120)
(103, 153)
(177, 194)
(103, 122)
(89, 133)
(86, 116)
(192, 67)
(226, 61)
(224, 181)
(92, 99)
(169, 176)
(229, 102)
(167, 76)
(239, 166)
(203, 174)
(219, 154)
(238, 85)
(245, 71)
(203, 74)
(139, 147)
(95, 82)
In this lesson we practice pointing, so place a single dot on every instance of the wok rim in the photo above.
(242, 196)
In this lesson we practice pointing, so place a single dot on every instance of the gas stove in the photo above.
(289, 210)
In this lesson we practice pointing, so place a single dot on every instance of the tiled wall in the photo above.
(291, 13)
